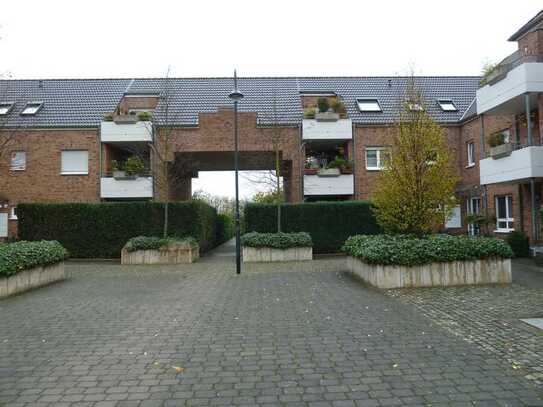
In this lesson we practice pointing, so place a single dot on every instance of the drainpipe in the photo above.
(100, 172)
(534, 214)
(482, 138)
(302, 162)
(355, 195)
(528, 119)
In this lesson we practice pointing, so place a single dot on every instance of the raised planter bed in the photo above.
(28, 265)
(159, 251)
(32, 278)
(434, 261)
(271, 247)
(485, 271)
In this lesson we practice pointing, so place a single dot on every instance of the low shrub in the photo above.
(519, 243)
(225, 228)
(157, 243)
(18, 256)
(406, 250)
(145, 116)
(277, 240)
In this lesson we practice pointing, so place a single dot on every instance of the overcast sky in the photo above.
(117, 38)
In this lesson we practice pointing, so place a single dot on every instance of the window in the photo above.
(18, 161)
(375, 158)
(504, 214)
(455, 218)
(368, 105)
(74, 162)
(474, 208)
(31, 108)
(471, 153)
(13, 213)
(5, 108)
(447, 105)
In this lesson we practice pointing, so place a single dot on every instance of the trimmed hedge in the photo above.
(18, 256)
(276, 240)
(328, 223)
(100, 230)
(519, 243)
(225, 229)
(157, 243)
(406, 250)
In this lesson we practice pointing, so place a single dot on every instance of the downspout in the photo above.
(355, 197)
(100, 172)
(302, 161)
(482, 154)
(534, 214)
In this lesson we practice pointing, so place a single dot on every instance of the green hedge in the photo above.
(277, 240)
(15, 257)
(156, 243)
(225, 228)
(410, 251)
(100, 230)
(519, 243)
(328, 223)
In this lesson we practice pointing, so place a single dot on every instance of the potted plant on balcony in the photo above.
(324, 114)
(347, 167)
(133, 166)
(339, 107)
(108, 117)
(310, 169)
(309, 113)
(116, 169)
(332, 169)
(145, 116)
(498, 147)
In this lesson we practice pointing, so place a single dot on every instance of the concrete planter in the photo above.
(269, 254)
(31, 278)
(484, 271)
(503, 150)
(172, 254)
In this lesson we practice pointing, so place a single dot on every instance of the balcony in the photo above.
(521, 164)
(507, 84)
(126, 188)
(126, 131)
(314, 129)
(315, 185)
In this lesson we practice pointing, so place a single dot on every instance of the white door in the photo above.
(3, 225)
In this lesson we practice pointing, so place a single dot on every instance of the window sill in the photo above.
(504, 230)
(470, 165)
(13, 218)
(373, 169)
(74, 173)
(17, 169)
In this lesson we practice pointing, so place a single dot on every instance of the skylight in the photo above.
(368, 105)
(5, 108)
(32, 108)
(447, 105)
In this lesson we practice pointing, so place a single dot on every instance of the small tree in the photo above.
(415, 190)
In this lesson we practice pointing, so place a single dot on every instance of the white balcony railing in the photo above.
(126, 132)
(139, 187)
(341, 129)
(521, 164)
(505, 96)
(340, 185)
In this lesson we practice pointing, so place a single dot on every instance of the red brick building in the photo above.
(71, 140)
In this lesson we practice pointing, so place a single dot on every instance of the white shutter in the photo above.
(455, 220)
(3, 225)
(75, 162)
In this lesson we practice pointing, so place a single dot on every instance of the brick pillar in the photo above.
(181, 189)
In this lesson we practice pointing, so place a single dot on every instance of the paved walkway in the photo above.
(200, 335)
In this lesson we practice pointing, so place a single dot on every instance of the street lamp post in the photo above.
(236, 96)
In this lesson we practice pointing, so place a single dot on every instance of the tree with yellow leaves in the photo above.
(415, 190)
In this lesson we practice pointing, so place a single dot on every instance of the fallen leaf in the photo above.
(178, 369)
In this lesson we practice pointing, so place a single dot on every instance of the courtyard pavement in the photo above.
(200, 335)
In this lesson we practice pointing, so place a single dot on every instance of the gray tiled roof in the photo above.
(83, 102)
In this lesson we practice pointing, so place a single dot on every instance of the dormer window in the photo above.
(31, 108)
(5, 108)
(368, 105)
(447, 105)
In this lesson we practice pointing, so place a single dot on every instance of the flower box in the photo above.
(31, 278)
(173, 253)
(501, 151)
(311, 171)
(269, 254)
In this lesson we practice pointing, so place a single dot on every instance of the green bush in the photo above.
(145, 116)
(328, 223)
(225, 229)
(100, 230)
(276, 240)
(410, 251)
(519, 243)
(15, 257)
(323, 104)
(156, 243)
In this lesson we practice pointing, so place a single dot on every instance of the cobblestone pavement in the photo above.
(490, 316)
(199, 335)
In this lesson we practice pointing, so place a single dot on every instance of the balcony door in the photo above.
(474, 208)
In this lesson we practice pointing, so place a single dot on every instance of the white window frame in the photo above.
(447, 105)
(13, 213)
(367, 102)
(5, 108)
(20, 167)
(470, 146)
(81, 172)
(509, 211)
(473, 229)
(379, 155)
(31, 108)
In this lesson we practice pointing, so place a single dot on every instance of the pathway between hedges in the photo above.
(200, 335)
